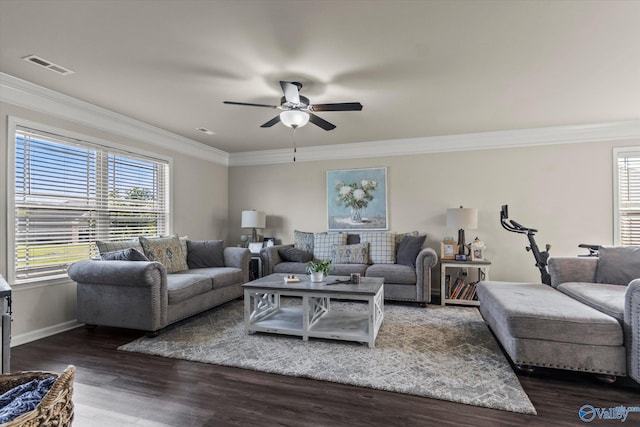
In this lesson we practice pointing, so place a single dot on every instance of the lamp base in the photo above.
(461, 243)
(254, 235)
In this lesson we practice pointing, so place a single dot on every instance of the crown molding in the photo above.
(37, 98)
(611, 131)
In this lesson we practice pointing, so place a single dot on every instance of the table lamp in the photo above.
(253, 220)
(462, 218)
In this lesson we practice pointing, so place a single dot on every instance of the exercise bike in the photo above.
(540, 257)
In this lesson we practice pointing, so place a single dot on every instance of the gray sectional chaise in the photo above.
(143, 295)
(587, 320)
(410, 281)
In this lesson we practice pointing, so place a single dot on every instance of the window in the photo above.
(70, 193)
(627, 196)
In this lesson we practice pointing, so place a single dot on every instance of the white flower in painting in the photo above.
(345, 190)
(358, 194)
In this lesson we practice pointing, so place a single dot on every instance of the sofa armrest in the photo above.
(632, 329)
(572, 269)
(427, 259)
(271, 257)
(238, 258)
(123, 273)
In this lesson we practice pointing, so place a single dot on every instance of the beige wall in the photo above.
(565, 191)
(200, 194)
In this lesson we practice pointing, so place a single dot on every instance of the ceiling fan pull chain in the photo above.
(294, 145)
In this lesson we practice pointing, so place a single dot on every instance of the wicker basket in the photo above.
(55, 408)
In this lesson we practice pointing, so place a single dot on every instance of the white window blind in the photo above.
(628, 194)
(70, 193)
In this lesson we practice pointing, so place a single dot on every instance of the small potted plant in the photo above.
(318, 270)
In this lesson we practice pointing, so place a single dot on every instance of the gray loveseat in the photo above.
(406, 277)
(143, 295)
(587, 320)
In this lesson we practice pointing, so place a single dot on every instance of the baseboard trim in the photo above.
(44, 332)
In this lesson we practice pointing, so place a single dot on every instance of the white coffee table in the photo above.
(313, 317)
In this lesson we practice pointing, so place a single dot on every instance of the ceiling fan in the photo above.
(297, 110)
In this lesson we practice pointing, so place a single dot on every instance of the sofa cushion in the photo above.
(130, 254)
(205, 253)
(347, 269)
(303, 240)
(408, 250)
(293, 254)
(350, 254)
(618, 265)
(167, 251)
(108, 246)
(181, 287)
(540, 312)
(323, 244)
(393, 273)
(608, 299)
(290, 267)
(382, 247)
(221, 277)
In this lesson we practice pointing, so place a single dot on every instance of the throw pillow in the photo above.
(382, 247)
(130, 254)
(303, 240)
(109, 246)
(323, 244)
(205, 253)
(618, 265)
(350, 254)
(408, 250)
(400, 236)
(292, 254)
(167, 251)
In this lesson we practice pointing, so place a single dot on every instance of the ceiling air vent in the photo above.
(47, 64)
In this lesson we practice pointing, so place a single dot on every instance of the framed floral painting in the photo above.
(357, 199)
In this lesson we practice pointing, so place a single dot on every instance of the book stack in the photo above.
(460, 290)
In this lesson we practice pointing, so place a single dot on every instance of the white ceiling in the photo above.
(420, 68)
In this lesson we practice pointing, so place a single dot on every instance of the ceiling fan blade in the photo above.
(271, 122)
(249, 104)
(321, 122)
(290, 92)
(343, 106)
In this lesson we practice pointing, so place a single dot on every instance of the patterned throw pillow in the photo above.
(130, 254)
(303, 241)
(167, 251)
(323, 244)
(350, 254)
(382, 247)
(109, 246)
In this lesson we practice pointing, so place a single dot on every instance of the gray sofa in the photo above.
(402, 282)
(142, 295)
(587, 320)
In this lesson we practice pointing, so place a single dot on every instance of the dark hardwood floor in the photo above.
(116, 388)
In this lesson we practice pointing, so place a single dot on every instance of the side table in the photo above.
(256, 257)
(459, 290)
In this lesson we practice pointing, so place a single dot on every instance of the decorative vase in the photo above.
(356, 215)
(317, 276)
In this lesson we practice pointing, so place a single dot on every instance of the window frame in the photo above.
(617, 153)
(12, 124)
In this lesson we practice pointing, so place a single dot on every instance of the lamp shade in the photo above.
(462, 218)
(253, 219)
(294, 118)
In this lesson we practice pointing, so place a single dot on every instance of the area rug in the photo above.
(444, 353)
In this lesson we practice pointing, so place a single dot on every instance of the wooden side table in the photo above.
(465, 291)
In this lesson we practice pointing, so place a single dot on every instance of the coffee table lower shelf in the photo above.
(332, 325)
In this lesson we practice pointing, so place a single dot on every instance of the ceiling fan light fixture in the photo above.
(294, 118)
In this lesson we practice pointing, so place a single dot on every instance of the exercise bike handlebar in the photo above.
(511, 225)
